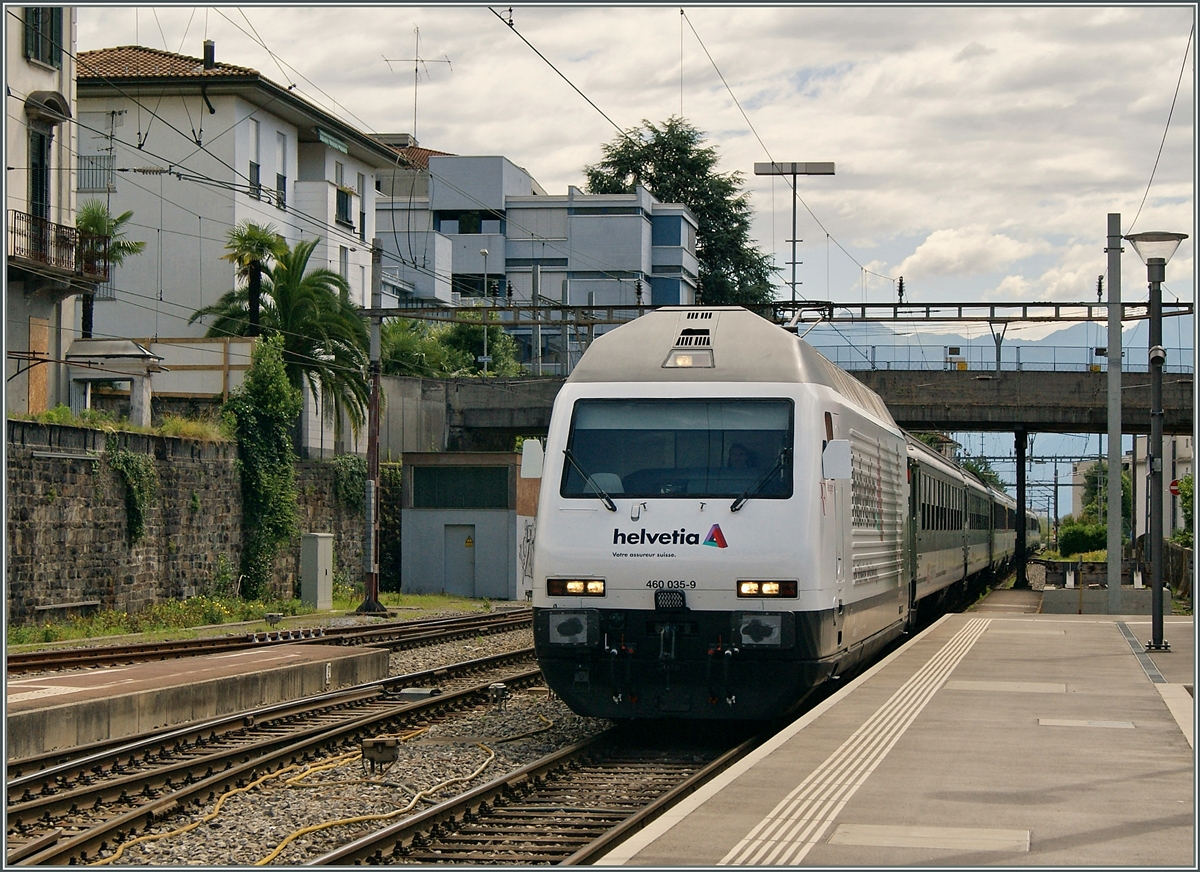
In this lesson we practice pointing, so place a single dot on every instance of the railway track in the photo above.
(67, 811)
(395, 634)
(568, 808)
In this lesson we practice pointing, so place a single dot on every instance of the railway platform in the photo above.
(996, 737)
(75, 708)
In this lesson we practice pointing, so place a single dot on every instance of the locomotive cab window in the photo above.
(680, 448)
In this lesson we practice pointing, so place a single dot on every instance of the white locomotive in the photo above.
(726, 519)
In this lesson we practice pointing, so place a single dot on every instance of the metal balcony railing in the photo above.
(57, 246)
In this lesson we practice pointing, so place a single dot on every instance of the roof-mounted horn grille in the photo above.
(694, 338)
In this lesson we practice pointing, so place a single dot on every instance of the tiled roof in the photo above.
(419, 157)
(136, 60)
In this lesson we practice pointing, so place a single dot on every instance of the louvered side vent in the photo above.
(699, 316)
(694, 338)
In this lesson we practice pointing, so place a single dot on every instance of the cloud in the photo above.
(975, 146)
(963, 252)
(973, 50)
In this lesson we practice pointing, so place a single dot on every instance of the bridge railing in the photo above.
(1017, 358)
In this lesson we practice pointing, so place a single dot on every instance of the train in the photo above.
(726, 521)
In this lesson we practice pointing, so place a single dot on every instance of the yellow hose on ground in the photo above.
(377, 817)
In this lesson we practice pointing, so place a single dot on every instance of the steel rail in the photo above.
(45, 770)
(276, 753)
(501, 796)
(414, 632)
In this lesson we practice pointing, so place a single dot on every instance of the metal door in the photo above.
(460, 559)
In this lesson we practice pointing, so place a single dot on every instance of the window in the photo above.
(344, 262)
(362, 205)
(342, 215)
(680, 448)
(255, 170)
(44, 34)
(39, 171)
(460, 487)
(281, 169)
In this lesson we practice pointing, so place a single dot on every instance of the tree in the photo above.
(264, 410)
(466, 341)
(415, 348)
(1187, 489)
(251, 246)
(1095, 497)
(982, 469)
(97, 225)
(671, 162)
(325, 340)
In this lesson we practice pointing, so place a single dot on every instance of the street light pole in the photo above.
(1114, 413)
(484, 252)
(794, 169)
(1155, 249)
(370, 604)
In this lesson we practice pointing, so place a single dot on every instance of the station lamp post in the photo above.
(793, 169)
(484, 359)
(1155, 249)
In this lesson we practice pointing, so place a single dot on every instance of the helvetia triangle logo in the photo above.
(716, 538)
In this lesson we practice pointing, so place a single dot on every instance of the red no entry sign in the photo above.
(1175, 487)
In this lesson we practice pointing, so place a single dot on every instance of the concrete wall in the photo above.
(66, 522)
(423, 538)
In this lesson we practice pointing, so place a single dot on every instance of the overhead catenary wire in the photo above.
(767, 151)
(1186, 54)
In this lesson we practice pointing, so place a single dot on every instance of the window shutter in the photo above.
(55, 36)
(31, 31)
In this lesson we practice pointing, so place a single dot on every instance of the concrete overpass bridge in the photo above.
(478, 414)
(486, 414)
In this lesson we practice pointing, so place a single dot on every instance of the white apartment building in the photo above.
(46, 266)
(438, 213)
(194, 147)
(1178, 452)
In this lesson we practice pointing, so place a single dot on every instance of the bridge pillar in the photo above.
(1021, 440)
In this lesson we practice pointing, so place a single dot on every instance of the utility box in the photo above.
(316, 570)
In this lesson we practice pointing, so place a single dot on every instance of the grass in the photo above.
(200, 429)
(183, 619)
(1100, 556)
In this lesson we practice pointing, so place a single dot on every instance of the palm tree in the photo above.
(250, 247)
(97, 225)
(325, 341)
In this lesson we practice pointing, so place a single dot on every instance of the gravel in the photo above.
(250, 824)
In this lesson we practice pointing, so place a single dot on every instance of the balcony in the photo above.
(45, 247)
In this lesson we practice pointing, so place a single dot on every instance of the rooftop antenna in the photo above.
(417, 62)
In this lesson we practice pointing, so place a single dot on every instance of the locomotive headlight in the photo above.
(575, 586)
(747, 588)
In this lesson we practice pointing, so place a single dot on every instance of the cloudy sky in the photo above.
(978, 149)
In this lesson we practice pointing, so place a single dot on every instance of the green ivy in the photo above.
(263, 412)
(389, 526)
(141, 484)
(350, 480)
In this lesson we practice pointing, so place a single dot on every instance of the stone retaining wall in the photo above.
(68, 548)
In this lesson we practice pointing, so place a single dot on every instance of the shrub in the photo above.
(1082, 537)
(264, 411)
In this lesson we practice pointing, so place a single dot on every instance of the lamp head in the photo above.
(484, 252)
(1155, 244)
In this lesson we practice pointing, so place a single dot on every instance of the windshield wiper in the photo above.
(755, 488)
(605, 498)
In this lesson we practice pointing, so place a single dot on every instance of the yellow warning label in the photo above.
(470, 543)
